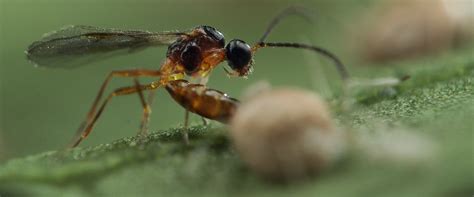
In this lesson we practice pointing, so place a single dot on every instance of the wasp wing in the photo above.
(78, 45)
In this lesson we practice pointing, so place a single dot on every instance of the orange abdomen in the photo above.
(205, 102)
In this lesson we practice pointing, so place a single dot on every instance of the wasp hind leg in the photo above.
(204, 121)
(114, 74)
(186, 126)
(88, 125)
(146, 104)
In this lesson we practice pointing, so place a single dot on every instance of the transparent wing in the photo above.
(78, 45)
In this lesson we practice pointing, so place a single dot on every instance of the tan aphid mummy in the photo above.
(286, 134)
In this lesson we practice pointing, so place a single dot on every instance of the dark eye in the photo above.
(214, 34)
(238, 54)
(191, 57)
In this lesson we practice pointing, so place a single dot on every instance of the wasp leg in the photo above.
(185, 131)
(186, 126)
(204, 121)
(202, 81)
(146, 109)
(199, 99)
(118, 73)
(117, 92)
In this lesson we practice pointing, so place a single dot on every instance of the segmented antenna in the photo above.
(293, 10)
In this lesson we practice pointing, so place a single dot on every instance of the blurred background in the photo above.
(40, 109)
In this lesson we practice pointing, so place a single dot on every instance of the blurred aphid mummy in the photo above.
(396, 147)
(398, 29)
(286, 134)
(377, 82)
(256, 89)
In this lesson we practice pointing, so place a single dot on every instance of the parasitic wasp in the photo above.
(191, 54)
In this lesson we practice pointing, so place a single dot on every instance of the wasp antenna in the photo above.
(292, 10)
(339, 65)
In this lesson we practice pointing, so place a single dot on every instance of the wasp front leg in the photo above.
(199, 99)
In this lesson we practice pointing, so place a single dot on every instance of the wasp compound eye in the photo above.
(214, 34)
(191, 57)
(238, 54)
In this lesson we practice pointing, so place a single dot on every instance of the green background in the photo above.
(41, 108)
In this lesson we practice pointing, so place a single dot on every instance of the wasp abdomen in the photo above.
(201, 100)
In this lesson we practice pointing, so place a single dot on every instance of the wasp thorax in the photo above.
(215, 35)
(191, 57)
